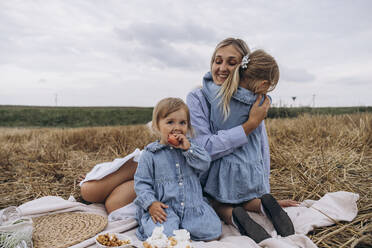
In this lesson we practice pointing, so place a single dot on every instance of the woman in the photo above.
(238, 180)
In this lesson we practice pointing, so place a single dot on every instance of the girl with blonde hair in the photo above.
(166, 181)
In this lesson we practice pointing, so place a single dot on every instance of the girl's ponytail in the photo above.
(254, 68)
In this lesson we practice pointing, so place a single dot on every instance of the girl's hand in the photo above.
(184, 143)
(257, 114)
(288, 203)
(157, 213)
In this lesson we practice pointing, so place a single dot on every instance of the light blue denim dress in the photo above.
(240, 168)
(170, 175)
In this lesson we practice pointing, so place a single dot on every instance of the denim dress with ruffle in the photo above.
(241, 175)
(170, 175)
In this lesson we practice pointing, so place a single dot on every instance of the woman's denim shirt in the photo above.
(170, 175)
(240, 169)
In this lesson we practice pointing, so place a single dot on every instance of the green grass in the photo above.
(281, 112)
(25, 116)
(33, 116)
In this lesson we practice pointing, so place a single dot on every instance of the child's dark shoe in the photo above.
(280, 219)
(247, 226)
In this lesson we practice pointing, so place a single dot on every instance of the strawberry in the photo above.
(172, 140)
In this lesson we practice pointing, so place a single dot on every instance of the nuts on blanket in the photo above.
(111, 240)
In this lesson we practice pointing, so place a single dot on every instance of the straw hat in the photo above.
(66, 229)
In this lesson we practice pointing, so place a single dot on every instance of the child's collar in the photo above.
(155, 146)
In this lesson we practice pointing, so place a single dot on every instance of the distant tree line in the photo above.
(284, 112)
(26, 116)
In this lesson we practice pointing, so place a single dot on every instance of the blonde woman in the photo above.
(224, 116)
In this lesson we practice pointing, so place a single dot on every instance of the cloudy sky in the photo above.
(133, 53)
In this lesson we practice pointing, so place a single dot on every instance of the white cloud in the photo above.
(132, 53)
(295, 75)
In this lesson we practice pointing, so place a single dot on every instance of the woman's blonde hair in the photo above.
(167, 106)
(261, 66)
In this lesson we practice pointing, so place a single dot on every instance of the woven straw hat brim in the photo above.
(66, 229)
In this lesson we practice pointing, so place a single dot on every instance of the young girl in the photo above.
(166, 181)
(241, 178)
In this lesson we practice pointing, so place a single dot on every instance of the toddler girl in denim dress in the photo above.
(241, 178)
(166, 181)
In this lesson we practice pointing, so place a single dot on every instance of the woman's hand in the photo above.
(257, 114)
(288, 203)
(184, 143)
(157, 212)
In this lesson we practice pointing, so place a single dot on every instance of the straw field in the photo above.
(310, 156)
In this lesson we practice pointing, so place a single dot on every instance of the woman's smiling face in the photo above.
(225, 61)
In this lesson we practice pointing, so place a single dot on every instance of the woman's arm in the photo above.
(223, 142)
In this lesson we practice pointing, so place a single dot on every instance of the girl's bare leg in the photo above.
(224, 211)
(98, 190)
(253, 205)
(121, 196)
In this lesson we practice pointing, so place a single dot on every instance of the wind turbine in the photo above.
(294, 99)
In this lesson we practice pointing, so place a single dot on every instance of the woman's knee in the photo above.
(91, 193)
(121, 196)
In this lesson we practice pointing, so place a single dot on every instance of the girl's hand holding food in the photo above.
(179, 141)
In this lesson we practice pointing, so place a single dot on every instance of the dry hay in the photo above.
(40, 162)
(310, 156)
(313, 155)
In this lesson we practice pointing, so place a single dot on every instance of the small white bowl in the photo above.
(119, 236)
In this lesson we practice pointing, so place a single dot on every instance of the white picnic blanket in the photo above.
(336, 206)
(332, 207)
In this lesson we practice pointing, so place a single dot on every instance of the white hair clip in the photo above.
(245, 61)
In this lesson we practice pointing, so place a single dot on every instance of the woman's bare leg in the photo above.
(121, 196)
(98, 190)
(255, 204)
